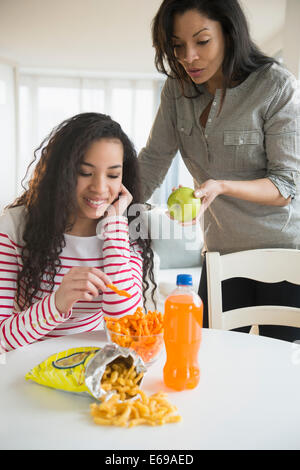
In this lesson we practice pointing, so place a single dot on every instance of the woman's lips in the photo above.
(195, 73)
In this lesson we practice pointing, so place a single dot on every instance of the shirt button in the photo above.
(214, 103)
(182, 129)
(209, 120)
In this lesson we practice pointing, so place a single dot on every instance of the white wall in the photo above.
(291, 52)
(7, 134)
(266, 20)
(104, 35)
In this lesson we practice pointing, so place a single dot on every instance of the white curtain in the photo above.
(45, 101)
(8, 132)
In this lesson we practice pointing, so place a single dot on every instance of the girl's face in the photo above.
(199, 47)
(98, 184)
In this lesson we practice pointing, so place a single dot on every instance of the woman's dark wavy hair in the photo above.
(50, 199)
(242, 56)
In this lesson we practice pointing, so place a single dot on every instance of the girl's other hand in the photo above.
(79, 283)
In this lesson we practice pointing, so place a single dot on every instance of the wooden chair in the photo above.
(265, 265)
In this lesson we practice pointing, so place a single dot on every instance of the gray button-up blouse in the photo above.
(256, 135)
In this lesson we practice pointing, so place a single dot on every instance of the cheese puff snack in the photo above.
(152, 411)
(140, 332)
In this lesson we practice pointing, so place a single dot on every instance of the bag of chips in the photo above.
(100, 372)
(64, 370)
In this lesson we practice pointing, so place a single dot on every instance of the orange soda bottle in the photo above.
(183, 321)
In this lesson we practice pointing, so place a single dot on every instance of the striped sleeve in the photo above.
(124, 265)
(21, 328)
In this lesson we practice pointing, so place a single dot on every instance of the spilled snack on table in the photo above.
(152, 411)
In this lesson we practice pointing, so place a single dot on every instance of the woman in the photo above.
(55, 269)
(232, 112)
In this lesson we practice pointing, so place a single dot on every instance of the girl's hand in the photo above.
(79, 283)
(120, 205)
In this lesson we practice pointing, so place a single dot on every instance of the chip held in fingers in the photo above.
(121, 292)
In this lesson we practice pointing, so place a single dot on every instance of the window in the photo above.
(45, 101)
(8, 131)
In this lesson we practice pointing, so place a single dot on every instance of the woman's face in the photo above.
(99, 181)
(199, 47)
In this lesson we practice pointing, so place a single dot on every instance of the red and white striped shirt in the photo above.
(120, 259)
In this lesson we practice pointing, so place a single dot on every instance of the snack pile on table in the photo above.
(154, 411)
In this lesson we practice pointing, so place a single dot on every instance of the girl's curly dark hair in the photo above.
(50, 200)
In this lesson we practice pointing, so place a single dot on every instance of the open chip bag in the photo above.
(99, 372)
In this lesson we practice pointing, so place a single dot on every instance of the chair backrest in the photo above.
(265, 265)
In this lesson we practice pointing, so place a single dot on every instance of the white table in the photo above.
(248, 398)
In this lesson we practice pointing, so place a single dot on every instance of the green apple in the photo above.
(182, 204)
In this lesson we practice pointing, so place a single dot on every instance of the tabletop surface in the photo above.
(248, 398)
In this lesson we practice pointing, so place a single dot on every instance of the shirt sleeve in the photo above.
(19, 328)
(155, 159)
(282, 139)
(123, 263)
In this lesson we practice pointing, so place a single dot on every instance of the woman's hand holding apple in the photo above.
(206, 192)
